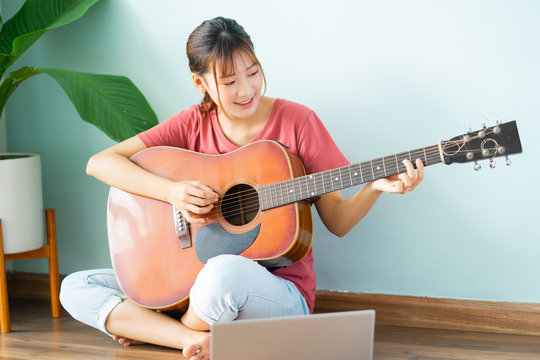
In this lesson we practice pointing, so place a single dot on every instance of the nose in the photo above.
(244, 87)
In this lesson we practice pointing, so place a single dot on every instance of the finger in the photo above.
(201, 190)
(198, 210)
(410, 169)
(193, 218)
(399, 186)
(406, 181)
(201, 202)
(420, 170)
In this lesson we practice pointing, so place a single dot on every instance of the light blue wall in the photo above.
(384, 76)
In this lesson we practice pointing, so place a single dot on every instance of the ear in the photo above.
(199, 82)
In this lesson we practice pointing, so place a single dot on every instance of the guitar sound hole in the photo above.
(240, 204)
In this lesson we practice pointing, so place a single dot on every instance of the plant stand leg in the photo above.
(54, 278)
(5, 324)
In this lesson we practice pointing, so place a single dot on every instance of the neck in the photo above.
(240, 131)
(313, 185)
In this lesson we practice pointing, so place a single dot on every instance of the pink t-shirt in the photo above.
(292, 124)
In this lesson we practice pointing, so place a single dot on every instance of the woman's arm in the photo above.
(113, 167)
(339, 215)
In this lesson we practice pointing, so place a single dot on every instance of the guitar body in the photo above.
(156, 270)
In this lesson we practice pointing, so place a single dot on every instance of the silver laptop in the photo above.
(344, 335)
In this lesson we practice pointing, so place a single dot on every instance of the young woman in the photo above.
(233, 113)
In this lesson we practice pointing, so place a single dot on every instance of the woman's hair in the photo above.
(218, 41)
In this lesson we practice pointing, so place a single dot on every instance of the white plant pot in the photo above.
(21, 202)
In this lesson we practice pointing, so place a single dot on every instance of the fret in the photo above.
(297, 192)
(305, 193)
(345, 174)
(384, 167)
(336, 179)
(279, 193)
(390, 168)
(288, 191)
(317, 189)
(433, 154)
(377, 166)
(417, 154)
(321, 178)
(401, 157)
(262, 197)
(311, 185)
(324, 180)
(425, 157)
(293, 190)
(275, 198)
(357, 171)
(366, 171)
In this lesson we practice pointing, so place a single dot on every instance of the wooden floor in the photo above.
(36, 335)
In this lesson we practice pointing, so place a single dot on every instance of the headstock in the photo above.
(487, 143)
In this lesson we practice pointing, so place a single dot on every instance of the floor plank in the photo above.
(36, 335)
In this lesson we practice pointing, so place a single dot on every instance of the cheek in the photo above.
(257, 82)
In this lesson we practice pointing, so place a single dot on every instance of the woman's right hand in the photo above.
(193, 198)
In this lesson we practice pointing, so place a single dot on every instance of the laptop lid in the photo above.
(344, 335)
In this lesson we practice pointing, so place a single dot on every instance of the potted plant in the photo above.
(112, 103)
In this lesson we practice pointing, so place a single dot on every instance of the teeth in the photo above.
(245, 102)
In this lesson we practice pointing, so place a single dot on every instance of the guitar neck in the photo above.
(312, 185)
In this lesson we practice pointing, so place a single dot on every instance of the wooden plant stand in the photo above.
(49, 250)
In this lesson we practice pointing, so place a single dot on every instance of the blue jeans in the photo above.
(229, 287)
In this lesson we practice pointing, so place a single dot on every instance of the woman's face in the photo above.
(240, 91)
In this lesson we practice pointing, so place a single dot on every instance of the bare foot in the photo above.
(199, 350)
(125, 341)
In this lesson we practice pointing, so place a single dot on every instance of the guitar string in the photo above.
(325, 176)
(433, 152)
(252, 203)
(251, 197)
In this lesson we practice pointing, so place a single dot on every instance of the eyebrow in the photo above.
(231, 75)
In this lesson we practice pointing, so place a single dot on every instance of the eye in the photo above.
(229, 83)
(254, 73)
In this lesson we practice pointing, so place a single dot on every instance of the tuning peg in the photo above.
(484, 126)
(508, 162)
(477, 166)
(492, 163)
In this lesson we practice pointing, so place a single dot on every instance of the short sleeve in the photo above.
(316, 147)
(178, 130)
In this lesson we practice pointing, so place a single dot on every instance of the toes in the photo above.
(190, 350)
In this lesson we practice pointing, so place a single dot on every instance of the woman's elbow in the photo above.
(339, 231)
(91, 165)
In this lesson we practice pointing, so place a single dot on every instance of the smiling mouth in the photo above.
(245, 102)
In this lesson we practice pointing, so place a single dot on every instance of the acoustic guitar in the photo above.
(263, 212)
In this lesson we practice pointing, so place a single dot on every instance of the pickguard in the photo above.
(212, 240)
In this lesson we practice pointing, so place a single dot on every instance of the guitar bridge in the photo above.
(181, 227)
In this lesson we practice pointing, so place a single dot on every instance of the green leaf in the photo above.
(112, 103)
(12, 81)
(34, 19)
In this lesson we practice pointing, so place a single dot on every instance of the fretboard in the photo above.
(312, 185)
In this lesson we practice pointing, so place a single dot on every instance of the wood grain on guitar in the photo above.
(263, 213)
